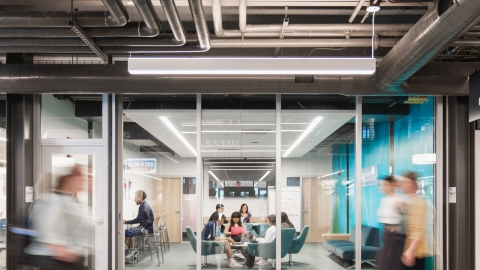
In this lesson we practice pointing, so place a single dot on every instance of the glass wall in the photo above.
(66, 116)
(159, 159)
(318, 143)
(238, 153)
(398, 158)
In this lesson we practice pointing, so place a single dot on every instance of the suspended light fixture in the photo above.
(251, 66)
(429, 158)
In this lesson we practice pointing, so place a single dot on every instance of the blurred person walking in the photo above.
(416, 248)
(61, 226)
(391, 215)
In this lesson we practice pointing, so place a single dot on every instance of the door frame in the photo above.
(50, 147)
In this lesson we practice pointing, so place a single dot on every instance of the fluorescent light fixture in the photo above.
(271, 166)
(3, 139)
(330, 174)
(424, 158)
(252, 162)
(251, 66)
(175, 131)
(3, 161)
(373, 8)
(214, 176)
(426, 177)
(304, 134)
(146, 175)
(265, 175)
(238, 169)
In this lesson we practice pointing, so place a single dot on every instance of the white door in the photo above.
(58, 161)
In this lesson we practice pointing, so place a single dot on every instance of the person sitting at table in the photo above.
(286, 223)
(219, 210)
(209, 234)
(269, 237)
(235, 229)
(144, 218)
(246, 216)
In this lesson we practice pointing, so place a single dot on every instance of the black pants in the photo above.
(49, 263)
(419, 265)
(389, 257)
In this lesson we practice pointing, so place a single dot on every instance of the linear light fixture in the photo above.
(214, 176)
(175, 131)
(330, 174)
(231, 162)
(430, 158)
(271, 166)
(304, 134)
(251, 66)
(265, 175)
(238, 169)
(3, 139)
(146, 175)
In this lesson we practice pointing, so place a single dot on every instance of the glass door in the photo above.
(58, 161)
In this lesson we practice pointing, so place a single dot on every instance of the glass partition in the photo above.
(69, 116)
(398, 158)
(159, 159)
(238, 151)
(318, 195)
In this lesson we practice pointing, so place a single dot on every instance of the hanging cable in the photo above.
(373, 33)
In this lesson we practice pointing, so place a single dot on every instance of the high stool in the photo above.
(150, 241)
(164, 232)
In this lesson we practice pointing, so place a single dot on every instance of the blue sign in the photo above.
(141, 165)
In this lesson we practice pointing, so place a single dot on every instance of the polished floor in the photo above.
(182, 256)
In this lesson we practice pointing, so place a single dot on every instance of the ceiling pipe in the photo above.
(149, 17)
(242, 15)
(433, 79)
(174, 21)
(115, 16)
(430, 35)
(356, 10)
(196, 7)
(131, 45)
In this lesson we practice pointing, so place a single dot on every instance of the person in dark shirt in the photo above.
(219, 212)
(144, 219)
(209, 234)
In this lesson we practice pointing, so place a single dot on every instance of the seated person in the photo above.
(219, 211)
(209, 234)
(235, 229)
(269, 237)
(144, 218)
(246, 216)
(219, 232)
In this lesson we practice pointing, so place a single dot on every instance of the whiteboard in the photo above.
(291, 204)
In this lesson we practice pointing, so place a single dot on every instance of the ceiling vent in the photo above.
(304, 79)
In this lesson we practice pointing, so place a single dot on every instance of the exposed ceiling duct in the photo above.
(424, 41)
(149, 16)
(116, 16)
(433, 79)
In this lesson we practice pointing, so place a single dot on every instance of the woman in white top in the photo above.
(269, 236)
(390, 213)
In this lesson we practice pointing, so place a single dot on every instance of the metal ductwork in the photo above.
(424, 41)
(196, 7)
(116, 16)
(433, 79)
(149, 17)
(174, 20)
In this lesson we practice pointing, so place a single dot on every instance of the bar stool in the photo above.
(164, 232)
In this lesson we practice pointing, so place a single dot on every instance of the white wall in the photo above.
(59, 121)
(310, 165)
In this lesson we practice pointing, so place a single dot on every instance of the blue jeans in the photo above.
(131, 232)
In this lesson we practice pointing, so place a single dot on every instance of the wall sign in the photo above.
(452, 194)
(141, 165)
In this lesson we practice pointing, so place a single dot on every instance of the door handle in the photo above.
(98, 222)
(305, 211)
(178, 211)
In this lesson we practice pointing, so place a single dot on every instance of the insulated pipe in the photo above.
(430, 35)
(115, 16)
(217, 17)
(242, 15)
(433, 79)
(356, 10)
(174, 20)
(196, 7)
(149, 17)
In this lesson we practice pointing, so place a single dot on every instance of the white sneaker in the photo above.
(258, 259)
(132, 253)
(234, 264)
(239, 255)
(261, 262)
